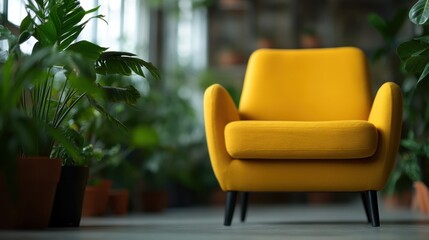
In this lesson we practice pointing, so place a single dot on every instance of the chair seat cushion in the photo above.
(348, 139)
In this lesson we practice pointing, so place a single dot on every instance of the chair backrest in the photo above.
(306, 85)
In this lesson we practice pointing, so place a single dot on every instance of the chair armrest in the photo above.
(386, 115)
(219, 110)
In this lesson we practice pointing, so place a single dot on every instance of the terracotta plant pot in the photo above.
(96, 199)
(68, 202)
(36, 180)
(118, 201)
(398, 200)
(420, 199)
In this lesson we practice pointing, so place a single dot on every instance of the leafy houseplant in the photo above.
(397, 191)
(27, 185)
(17, 131)
(415, 52)
(414, 55)
(57, 24)
(70, 72)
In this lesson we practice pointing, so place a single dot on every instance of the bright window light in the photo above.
(129, 33)
(88, 32)
(109, 35)
(16, 11)
(127, 23)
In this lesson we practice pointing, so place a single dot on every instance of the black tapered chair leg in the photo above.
(231, 199)
(244, 196)
(364, 196)
(373, 208)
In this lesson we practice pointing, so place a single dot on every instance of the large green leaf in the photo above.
(72, 21)
(411, 48)
(73, 15)
(66, 39)
(424, 74)
(59, 22)
(26, 23)
(87, 49)
(46, 33)
(419, 13)
(55, 19)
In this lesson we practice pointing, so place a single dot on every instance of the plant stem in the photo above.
(58, 110)
(44, 96)
(48, 97)
(69, 109)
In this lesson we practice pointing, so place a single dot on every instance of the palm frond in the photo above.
(124, 63)
(61, 24)
(87, 49)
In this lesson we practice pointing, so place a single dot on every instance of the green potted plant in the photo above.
(69, 196)
(178, 157)
(109, 162)
(156, 124)
(398, 191)
(56, 24)
(27, 185)
(414, 55)
(95, 202)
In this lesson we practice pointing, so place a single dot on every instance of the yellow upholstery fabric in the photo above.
(305, 85)
(301, 139)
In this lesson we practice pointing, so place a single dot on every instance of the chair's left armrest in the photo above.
(386, 115)
(219, 110)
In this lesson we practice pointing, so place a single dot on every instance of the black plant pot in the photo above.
(67, 209)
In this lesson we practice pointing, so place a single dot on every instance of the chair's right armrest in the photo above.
(386, 115)
(219, 110)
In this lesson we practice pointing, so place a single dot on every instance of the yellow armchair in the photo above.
(306, 122)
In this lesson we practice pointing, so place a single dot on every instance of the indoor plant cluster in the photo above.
(39, 90)
(414, 55)
(409, 70)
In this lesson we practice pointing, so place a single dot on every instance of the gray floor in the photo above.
(264, 222)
